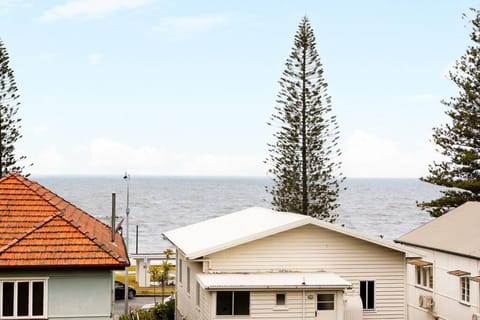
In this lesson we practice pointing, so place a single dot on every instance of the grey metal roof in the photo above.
(217, 234)
(227, 231)
(455, 232)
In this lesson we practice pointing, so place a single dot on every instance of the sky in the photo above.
(160, 87)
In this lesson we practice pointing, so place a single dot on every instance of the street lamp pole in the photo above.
(126, 177)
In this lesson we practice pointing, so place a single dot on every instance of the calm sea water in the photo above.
(157, 204)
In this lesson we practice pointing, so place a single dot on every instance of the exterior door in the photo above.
(326, 306)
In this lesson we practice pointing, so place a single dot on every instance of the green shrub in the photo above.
(139, 315)
(161, 311)
(165, 311)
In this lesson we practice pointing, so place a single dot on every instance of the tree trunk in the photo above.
(304, 132)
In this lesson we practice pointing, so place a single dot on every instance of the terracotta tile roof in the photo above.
(40, 229)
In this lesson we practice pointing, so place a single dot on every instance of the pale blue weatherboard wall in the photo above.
(83, 295)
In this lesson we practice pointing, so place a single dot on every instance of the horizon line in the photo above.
(144, 175)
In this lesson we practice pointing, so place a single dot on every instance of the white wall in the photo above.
(186, 301)
(300, 305)
(311, 249)
(446, 288)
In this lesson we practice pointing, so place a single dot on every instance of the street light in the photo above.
(126, 177)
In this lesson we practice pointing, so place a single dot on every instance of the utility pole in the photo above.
(126, 177)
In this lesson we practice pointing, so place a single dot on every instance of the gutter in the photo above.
(437, 249)
(282, 287)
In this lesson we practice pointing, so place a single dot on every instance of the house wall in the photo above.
(186, 301)
(300, 305)
(142, 274)
(262, 303)
(310, 249)
(75, 294)
(446, 290)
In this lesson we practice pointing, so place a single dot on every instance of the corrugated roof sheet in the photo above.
(217, 234)
(455, 232)
(40, 229)
(276, 280)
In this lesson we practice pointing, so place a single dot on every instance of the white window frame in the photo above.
(367, 284)
(188, 279)
(233, 305)
(465, 289)
(424, 276)
(197, 294)
(180, 270)
(326, 302)
(30, 281)
(418, 275)
(284, 299)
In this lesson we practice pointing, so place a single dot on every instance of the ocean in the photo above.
(375, 207)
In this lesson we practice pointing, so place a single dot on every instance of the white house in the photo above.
(263, 264)
(143, 261)
(445, 284)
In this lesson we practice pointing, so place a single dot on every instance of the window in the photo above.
(326, 301)
(233, 303)
(197, 294)
(367, 293)
(280, 299)
(180, 270)
(430, 276)
(424, 276)
(465, 288)
(418, 275)
(23, 298)
(188, 279)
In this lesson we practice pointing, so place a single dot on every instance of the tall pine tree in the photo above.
(459, 140)
(9, 122)
(305, 175)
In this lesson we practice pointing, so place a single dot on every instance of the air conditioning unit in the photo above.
(476, 316)
(427, 302)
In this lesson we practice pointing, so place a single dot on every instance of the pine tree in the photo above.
(459, 140)
(9, 122)
(302, 158)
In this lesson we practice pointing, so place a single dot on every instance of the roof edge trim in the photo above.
(300, 287)
(437, 249)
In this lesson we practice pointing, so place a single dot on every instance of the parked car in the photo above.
(120, 291)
